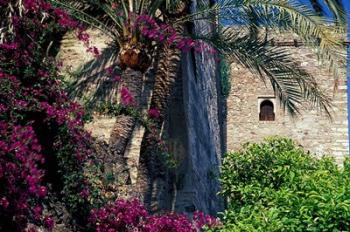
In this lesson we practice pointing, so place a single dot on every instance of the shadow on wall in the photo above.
(91, 83)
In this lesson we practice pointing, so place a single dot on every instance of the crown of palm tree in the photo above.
(291, 83)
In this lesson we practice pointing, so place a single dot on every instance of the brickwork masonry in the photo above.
(312, 129)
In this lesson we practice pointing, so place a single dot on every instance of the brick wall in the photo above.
(313, 130)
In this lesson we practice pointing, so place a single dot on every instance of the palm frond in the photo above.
(323, 34)
(292, 84)
(81, 11)
(319, 32)
(102, 16)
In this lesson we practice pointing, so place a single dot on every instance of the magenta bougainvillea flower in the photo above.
(127, 99)
(161, 33)
(37, 119)
(153, 113)
(117, 78)
(131, 215)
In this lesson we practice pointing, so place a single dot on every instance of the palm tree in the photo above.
(133, 51)
(133, 57)
(136, 54)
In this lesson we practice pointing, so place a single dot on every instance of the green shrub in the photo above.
(225, 73)
(276, 186)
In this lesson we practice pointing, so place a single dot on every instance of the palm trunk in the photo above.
(125, 123)
(125, 138)
(127, 133)
(121, 133)
(152, 177)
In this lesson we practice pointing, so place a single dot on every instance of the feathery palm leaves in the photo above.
(291, 84)
(319, 32)
(115, 18)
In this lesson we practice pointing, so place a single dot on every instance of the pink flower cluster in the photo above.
(131, 215)
(37, 119)
(115, 77)
(64, 20)
(93, 50)
(150, 29)
(20, 174)
(201, 220)
(153, 113)
(70, 113)
(171, 223)
(127, 99)
(84, 37)
(118, 216)
(49, 222)
(8, 46)
(36, 6)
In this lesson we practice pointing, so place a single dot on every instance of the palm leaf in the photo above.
(289, 15)
(80, 11)
(292, 85)
(100, 14)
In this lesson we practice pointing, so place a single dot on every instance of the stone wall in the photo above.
(195, 121)
(199, 140)
(86, 74)
(311, 129)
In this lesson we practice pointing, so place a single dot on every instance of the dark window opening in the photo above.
(266, 111)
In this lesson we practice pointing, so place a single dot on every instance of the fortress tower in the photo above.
(254, 112)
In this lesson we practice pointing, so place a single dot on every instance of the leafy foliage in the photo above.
(276, 186)
(335, 6)
(43, 145)
(225, 73)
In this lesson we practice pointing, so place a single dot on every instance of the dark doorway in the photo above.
(266, 111)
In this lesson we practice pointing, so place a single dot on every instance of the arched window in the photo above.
(266, 111)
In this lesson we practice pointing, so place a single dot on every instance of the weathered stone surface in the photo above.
(89, 82)
(312, 129)
(198, 132)
(101, 127)
(132, 153)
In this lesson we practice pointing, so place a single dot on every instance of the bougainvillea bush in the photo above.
(276, 186)
(42, 142)
(130, 215)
